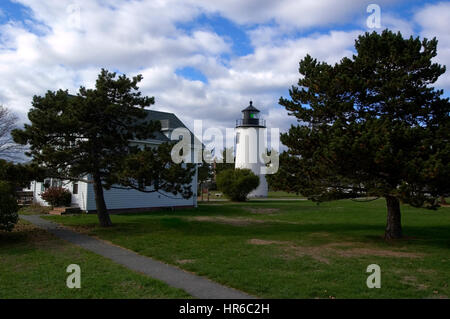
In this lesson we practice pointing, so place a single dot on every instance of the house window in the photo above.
(46, 184)
(75, 189)
(56, 182)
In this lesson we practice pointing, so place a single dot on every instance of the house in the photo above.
(124, 200)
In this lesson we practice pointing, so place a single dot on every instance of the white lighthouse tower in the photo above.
(250, 145)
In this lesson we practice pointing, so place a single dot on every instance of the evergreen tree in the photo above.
(13, 177)
(87, 137)
(370, 125)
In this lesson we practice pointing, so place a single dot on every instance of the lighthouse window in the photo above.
(252, 115)
(237, 138)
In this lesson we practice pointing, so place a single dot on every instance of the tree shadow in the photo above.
(414, 236)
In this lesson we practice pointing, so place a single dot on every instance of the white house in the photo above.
(121, 200)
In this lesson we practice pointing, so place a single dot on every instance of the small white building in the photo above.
(126, 200)
(250, 145)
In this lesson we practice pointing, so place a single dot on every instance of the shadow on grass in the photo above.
(179, 228)
(23, 235)
(212, 210)
(13, 238)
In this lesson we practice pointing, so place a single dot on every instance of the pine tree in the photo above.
(370, 125)
(13, 177)
(87, 137)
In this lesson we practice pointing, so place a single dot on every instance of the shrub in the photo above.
(237, 183)
(8, 207)
(57, 196)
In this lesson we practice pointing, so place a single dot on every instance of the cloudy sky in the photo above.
(200, 59)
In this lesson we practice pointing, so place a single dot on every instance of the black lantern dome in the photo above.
(250, 117)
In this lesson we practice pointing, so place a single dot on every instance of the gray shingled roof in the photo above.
(169, 121)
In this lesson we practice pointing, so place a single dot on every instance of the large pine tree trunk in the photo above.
(102, 212)
(394, 222)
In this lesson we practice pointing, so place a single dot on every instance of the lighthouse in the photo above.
(250, 145)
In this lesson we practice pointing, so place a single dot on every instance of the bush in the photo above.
(237, 183)
(8, 207)
(57, 196)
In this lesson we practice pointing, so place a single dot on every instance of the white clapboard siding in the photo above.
(130, 198)
(37, 190)
(118, 198)
(127, 199)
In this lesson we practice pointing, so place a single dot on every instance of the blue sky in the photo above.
(12, 10)
(201, 59)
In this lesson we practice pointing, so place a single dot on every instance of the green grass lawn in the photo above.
(281, 194)
(286, 249)
(33, 265)
(271, 194)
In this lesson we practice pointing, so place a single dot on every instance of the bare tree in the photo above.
(8, 149)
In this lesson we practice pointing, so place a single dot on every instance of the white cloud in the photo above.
(59, 49)
(395, 23)
(290, 13)
(127, 36)
(142, 37)
(262, 77)
(434, 22)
